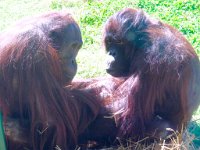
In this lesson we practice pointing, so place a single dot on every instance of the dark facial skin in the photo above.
(117, 62)
(72, 42)
(69, 51)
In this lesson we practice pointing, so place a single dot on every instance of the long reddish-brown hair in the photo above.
(161, 88)
(32, 85)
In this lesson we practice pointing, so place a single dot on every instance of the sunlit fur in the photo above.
(32, 87)
(165, 65)
(163, 80)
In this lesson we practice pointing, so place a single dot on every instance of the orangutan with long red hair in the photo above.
(37, 61)
(155, 83)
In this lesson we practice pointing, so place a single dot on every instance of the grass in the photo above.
(12, 10)
(91, 16)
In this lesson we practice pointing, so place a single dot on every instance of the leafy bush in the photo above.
(92, 14)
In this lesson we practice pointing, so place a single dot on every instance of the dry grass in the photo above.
(181, 141)
(176, 141)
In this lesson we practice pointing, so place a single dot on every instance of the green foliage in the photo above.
(92, 15)
(95, 14)
(182, 14)
(57, 4)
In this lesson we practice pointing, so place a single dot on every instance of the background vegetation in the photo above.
(91, 16)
